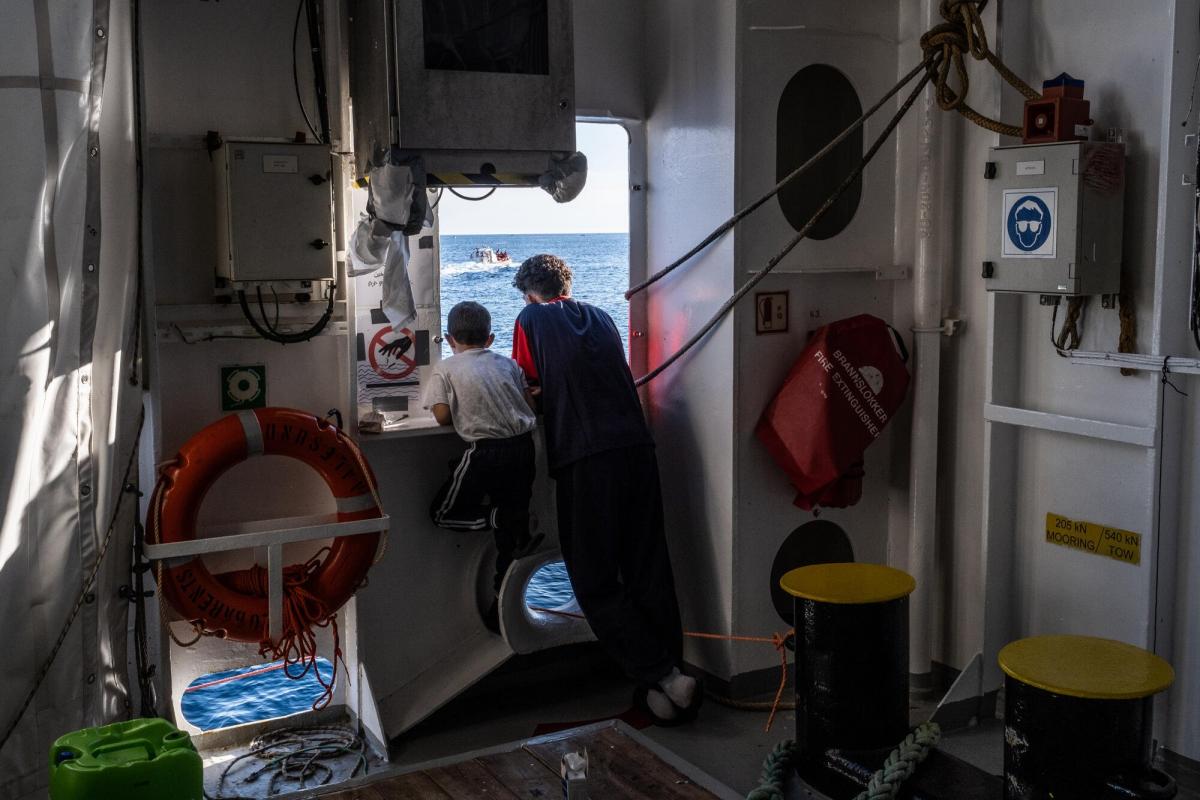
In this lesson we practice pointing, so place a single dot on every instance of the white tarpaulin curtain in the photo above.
(69, 399)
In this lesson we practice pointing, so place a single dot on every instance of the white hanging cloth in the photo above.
(68, 409)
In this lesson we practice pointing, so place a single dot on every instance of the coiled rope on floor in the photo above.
(885, 784)
(944, 47)
(298, 755)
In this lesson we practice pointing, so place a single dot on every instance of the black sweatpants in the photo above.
(610, 526)
(490, 487)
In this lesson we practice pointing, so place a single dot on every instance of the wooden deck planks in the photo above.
(620, 768)
(413, 786)
(524, 775)
(469, 779)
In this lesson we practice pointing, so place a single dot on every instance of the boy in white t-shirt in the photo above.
(486, 398)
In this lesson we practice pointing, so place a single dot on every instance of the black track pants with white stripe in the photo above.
(489, 488)
(610, 526)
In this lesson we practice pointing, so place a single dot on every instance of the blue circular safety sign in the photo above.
(1029, 223)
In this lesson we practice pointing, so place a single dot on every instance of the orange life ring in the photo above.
(210, 601)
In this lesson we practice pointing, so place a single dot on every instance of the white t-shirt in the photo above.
(485, 392)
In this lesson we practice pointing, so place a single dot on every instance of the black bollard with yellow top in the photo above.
(1077, 719)
(851, 656)
(852, 706)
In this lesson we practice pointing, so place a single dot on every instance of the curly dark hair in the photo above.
(544, 275)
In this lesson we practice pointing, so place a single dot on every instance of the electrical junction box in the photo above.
(1055, 214)
(274, 212)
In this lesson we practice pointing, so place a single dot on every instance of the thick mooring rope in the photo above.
(776, 767)
(945, 45)
(885, 784)
(902, 762)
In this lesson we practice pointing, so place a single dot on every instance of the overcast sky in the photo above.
(602, 207)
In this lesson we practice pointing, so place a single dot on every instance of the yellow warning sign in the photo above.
(1097, 539)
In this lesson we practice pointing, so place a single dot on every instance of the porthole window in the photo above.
(252, 694)
(817, 104)
(549, 588)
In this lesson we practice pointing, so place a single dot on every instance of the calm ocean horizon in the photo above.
(599, 261)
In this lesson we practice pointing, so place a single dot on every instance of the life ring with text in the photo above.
(219, 603)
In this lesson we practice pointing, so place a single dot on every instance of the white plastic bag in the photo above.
(373, 246)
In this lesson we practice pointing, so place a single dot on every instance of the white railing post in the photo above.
(275, 590)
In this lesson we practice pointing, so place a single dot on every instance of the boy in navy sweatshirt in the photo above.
(601, 456)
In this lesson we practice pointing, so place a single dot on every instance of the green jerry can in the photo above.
(142, 759)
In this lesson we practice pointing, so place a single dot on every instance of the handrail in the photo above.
(313, 529)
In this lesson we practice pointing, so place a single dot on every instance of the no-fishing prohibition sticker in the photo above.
(391, 366)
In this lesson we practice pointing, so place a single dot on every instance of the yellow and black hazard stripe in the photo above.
(481, 179)
(437, 179)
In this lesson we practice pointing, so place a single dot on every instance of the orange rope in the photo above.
(301, 611)
(301, 608)
(777, 640)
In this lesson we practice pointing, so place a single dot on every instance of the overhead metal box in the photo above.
(1055, 214)
(274, 211)
(482, 87)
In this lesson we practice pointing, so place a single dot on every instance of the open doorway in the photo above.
(486, 234)
(485, 238)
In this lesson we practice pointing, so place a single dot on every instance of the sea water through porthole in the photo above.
(251, 694)
(549, 587)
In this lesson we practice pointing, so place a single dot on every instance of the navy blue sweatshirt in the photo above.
(573, 351)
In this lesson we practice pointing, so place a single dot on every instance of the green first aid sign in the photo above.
(243, 386)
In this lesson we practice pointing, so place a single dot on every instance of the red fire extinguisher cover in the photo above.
(838, 397)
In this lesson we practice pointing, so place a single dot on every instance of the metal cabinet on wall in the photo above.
(475, 86)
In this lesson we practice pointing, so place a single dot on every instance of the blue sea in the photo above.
(600, 262)
(549, 587)
(250, 694)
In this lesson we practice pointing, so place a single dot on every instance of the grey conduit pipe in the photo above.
(927, 320)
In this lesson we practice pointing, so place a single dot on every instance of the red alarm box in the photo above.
(1060, 114)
